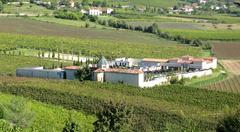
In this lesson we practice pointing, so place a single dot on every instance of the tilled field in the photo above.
(233, 66)
(34, 27)
(227, 50)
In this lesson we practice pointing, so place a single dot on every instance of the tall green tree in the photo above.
(1, 6)
(84, 74)
(114, 118)
(1, 112)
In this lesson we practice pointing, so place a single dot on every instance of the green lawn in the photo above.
(51, 118)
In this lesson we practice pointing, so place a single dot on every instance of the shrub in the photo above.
(1, 112)
(230, 123)
(18, 114)
(114, 117)
(84, 74)
(71, 126)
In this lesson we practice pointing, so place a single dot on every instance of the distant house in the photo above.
(71, 4)
(203, 1)
(109, 11)
(188, 9)
(95, 11)
(84, 11)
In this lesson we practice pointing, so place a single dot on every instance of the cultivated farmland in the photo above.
(91, 47)
(229, 85)
(226, 50)
(34, 27)
(233, 66)
(173, 104)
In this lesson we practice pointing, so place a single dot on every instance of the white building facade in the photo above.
(95, 11)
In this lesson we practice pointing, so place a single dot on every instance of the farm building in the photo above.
(40, 72)
(150, 64)
(136, 77)
(71, 72)
(95, 11)
(203, 1)
(185, 62)
(189, 62)
(126, 62)
(124, 76)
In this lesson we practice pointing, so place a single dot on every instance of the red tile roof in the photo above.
(72, 67)
(155, 60)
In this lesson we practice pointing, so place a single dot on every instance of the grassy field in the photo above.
(219, 18)
(206, 34)
(226, 50)
(208, 80)
(51, 118)
(177, 102)
(76, 23)
(28, 9)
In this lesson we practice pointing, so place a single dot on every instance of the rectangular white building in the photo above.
(39, 72)
(125, 76)
(95, 11)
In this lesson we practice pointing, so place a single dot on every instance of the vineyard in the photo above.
(229, 85)
(91, 47)
(45, 114)
(173, 104)
(68, 28)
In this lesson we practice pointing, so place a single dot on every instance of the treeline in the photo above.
(154, 29)
(66, 14)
